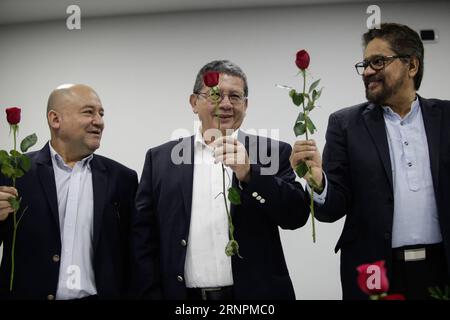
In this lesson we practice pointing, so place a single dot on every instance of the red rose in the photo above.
(372, 278)
(13, 115)
(211, 79)
(396, 296)
(302, 60)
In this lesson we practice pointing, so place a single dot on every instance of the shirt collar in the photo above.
(415, 106)
(60, 161)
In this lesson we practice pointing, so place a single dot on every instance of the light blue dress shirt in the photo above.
(415, 211)
(76, 211)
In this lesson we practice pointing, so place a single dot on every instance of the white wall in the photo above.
(143, 68)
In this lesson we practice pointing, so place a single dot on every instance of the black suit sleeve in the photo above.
(336, 167)
(285, 201)
(146, 282)
(2, 223)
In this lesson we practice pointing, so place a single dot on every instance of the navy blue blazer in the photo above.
(38, 236)
(161, 225)
(358, 167)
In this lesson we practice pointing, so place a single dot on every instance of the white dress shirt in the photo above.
(206, 264)
(76, 211)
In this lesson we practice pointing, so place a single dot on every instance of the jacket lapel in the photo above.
(100, 187)
(245, 140)
(186, 171)
(47, 180)
(432, 122)
(373, 117)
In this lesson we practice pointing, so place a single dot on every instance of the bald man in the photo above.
(73, 240)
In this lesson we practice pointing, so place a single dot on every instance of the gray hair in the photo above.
(221, 66)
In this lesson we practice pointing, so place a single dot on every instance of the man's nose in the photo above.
(368, 71)
(98, 120)
(225, 101)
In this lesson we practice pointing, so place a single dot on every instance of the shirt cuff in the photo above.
(320, 198)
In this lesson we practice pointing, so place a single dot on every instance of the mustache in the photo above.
(372, 78)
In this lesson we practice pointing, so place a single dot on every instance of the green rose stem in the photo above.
(311, 205)
(14, 127)
(20, 162)
(303, 124)
(232, 246)
(13, 166)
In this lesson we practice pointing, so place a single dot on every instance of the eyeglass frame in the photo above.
(222, 96)
(365, 63)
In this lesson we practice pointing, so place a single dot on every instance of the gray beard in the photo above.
(385, 94)
(380, 97)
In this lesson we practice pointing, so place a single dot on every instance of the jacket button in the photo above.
(180, 279)
(55, 258)
(387, 236)
(50, 297)
(183, 243)
(254, 194)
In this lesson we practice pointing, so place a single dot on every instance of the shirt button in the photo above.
(409, 164)
(55, 258)
(50, 297)
(183, 243)
(180, 279)
(401, 123)
(406, 143)
(254, 194)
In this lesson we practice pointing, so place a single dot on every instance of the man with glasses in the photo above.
(181, 228)
(386, 167)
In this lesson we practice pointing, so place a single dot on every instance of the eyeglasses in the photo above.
(235, 98)
(377, 63)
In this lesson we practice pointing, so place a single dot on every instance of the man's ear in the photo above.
(193, 101)
(54, 119)
(413, 66)
(246, 106)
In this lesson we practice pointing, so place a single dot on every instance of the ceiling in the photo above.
(23, 11)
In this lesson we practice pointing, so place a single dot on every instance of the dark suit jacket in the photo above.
(163, 204)
(357, 164)
(38, 236)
